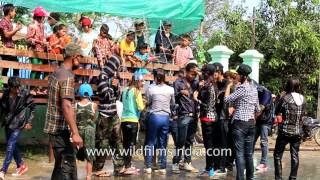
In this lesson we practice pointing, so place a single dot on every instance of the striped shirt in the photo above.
(107, 96)
(245, 99)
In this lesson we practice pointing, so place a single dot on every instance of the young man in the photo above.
(187, 118)
(60, 122)
(139, 32)
(108, 128)
(223, 121)
(102, 46)
(264, 125)
(15, 103)
(245, 99)
(7, 32)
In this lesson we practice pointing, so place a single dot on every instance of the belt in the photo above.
(188, 114)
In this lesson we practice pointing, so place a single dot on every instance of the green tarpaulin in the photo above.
(184, 14)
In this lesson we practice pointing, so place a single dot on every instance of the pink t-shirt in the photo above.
(182, 55)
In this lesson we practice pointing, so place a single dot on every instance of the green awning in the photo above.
(185, 15)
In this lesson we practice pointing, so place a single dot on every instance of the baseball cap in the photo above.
(40, 11)
(166, 23)
(218, 66)
(73, 49)
(138, 22)
(85, 90)
(244, 70)
(86, 22)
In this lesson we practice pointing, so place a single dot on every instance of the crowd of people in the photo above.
(233, 109)
(53, 36)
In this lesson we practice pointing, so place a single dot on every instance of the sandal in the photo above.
(131, 171)
(103, 174)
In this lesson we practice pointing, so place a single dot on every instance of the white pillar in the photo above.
(252, 58)
(220, 54)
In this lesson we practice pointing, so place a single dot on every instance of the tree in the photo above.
(287, 33)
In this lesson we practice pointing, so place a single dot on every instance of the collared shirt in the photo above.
(182, 55)
(36, 33)
(61, 86)
(103, 48)
(6, 25)
(186, 103)
(245, 99)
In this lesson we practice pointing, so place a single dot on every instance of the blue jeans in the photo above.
(186, 129)
(12, 149)
(262, 130)
(243, 134)
(158, 129)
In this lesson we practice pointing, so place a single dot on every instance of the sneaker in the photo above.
(220, 172)
(148, 170)
(21, 170)
(1, 175)
(175, 168)
(188, 167)
(161, 171)
(262, 167)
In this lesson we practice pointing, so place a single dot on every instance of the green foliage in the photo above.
(287, 33)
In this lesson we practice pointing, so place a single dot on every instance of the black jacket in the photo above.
(16, 114)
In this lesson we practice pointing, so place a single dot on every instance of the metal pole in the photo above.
(253, 39)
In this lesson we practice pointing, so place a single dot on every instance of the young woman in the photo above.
(206, 97)
(133, 104)
(291, 108)
(160, 99)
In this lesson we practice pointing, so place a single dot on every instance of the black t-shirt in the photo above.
(222, 85)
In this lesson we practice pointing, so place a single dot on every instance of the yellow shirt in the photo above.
(127, 48)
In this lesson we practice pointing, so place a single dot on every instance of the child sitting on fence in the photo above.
(59, 39)
(86, 112)
(127, 49)
(183, 53)
(103, 46)
(143, 54)
(36, 38)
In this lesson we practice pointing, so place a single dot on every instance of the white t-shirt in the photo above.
(86, 40)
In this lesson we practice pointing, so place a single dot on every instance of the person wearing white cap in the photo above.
(133, 105)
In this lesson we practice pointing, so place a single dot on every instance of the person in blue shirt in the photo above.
(143, 55)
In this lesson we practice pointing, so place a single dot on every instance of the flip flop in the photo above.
(130, 171)
(103, 174)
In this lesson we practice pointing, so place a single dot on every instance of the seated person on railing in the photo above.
(7, 32)
(103, 46)
(59, 39)
(127, 49)
(139, 33)
(87, 36)
(143, 54)
(182, 53)
(36, 38)
(163, 41)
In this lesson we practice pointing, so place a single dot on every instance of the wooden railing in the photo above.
(58, 57)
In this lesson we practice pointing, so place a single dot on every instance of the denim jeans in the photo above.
(262, 130)
(158, 129)
(185, 133)
(210, 131)
(282, 141)
(12, 149)
(64, 154)
(243, 134)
